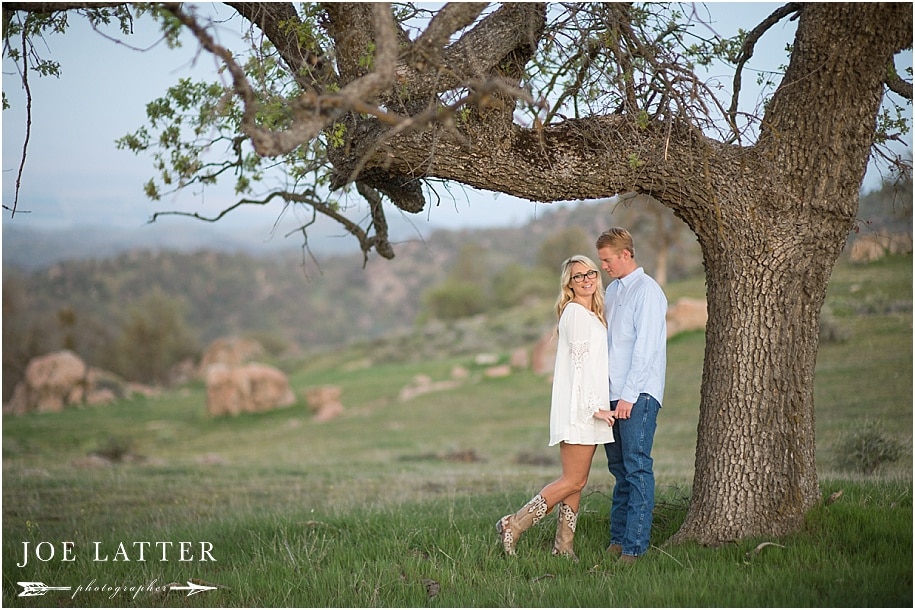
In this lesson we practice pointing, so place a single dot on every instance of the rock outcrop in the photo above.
(324, 402)
(250, 388)
(58, 380)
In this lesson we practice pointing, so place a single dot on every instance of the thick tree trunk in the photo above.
(769, 253)
(755, 456)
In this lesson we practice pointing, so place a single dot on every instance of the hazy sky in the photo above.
(74, 175)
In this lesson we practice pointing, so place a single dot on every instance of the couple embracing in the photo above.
(620, 336)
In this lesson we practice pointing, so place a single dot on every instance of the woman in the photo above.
(580, 416)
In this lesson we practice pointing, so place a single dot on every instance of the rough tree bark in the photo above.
(769, 249)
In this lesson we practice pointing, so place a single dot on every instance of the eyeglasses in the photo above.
(578, 278)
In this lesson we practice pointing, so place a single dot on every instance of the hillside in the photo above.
(294, 301)
(400, 491)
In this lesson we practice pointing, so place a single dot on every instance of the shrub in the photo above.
(454, 299)
(867, 448)
(831, 330)
(116, 449)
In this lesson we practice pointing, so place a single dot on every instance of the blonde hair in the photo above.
(617, 239)
(565, 290)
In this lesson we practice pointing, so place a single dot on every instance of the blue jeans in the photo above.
(629, 460)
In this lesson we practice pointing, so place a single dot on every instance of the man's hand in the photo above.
(623, 409)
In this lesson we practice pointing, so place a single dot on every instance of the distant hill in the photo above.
(81, 288)
(25, 247)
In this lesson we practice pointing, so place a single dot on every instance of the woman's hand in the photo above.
(606, 416)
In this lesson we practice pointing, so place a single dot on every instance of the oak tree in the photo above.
(553, 102)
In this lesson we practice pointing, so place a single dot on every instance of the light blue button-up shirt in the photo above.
(636, 311)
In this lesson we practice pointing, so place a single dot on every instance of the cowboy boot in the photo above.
(565, 531)
(510, 527)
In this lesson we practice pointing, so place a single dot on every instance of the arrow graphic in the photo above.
(191, 588)
(31, 589)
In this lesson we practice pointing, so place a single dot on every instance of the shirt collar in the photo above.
(631, 277)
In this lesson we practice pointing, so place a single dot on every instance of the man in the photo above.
(636, 311)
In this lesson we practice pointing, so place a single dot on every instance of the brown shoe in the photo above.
(628, 559)
(615, 549)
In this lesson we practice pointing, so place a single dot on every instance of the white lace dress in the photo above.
(580, 382)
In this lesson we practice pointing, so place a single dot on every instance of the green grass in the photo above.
(372, 509)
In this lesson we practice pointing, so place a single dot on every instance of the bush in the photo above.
(454, 300)
(153, 338)
(516, 286)
(831, 330)
(867, 448)
(116, 449)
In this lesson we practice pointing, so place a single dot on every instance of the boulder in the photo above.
(324, 402)
(104, 396)
(232, 351)
(423, 384)
(494, 372)
(62, 379)
(543, 356)
(871, 247)
(486, 359)
(51, 382)
(686, 314)
(520, 358)
(250, 388)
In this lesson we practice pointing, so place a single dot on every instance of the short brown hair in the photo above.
(617, 239)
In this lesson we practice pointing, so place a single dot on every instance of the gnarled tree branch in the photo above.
(897, 85)
(280, 23)
(746, 52)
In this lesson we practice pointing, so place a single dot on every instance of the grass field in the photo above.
(393, 504)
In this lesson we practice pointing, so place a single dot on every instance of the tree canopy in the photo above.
(287, 96)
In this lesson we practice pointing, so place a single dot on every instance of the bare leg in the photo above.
(576, 466)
